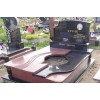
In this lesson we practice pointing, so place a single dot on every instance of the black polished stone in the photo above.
(74, 58)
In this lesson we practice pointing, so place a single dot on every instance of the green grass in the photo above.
(94, 47)
(29, 45)
(41, 45)
(46, 43)
(38, 45)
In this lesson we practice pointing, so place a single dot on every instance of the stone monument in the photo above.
(13, 33)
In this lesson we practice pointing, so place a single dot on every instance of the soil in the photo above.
(86, 78)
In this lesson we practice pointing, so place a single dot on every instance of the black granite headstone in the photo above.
(72, 34)
(13, 33)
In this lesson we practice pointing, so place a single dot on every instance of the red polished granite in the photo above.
(33, 62)
(25, 67)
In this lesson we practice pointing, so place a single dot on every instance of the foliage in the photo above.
(23, 35)
(2, 30)
(27, 44)
(35, 36)
(43, 44)
(3, 37)
(31, 36)
(1, 22)
(45, 35)
(92, 27)
(94, 47)
(98, 27)
(90, 19)
(38, 45)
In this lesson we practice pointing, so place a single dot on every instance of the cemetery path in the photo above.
(87, 78)
(3, 71)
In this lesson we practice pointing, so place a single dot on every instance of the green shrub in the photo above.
(1, 21)
(92, 27)
(3, 37)
(98, 27)
(45, 35)
(90, 19)
(2, 30)
(31, 37)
